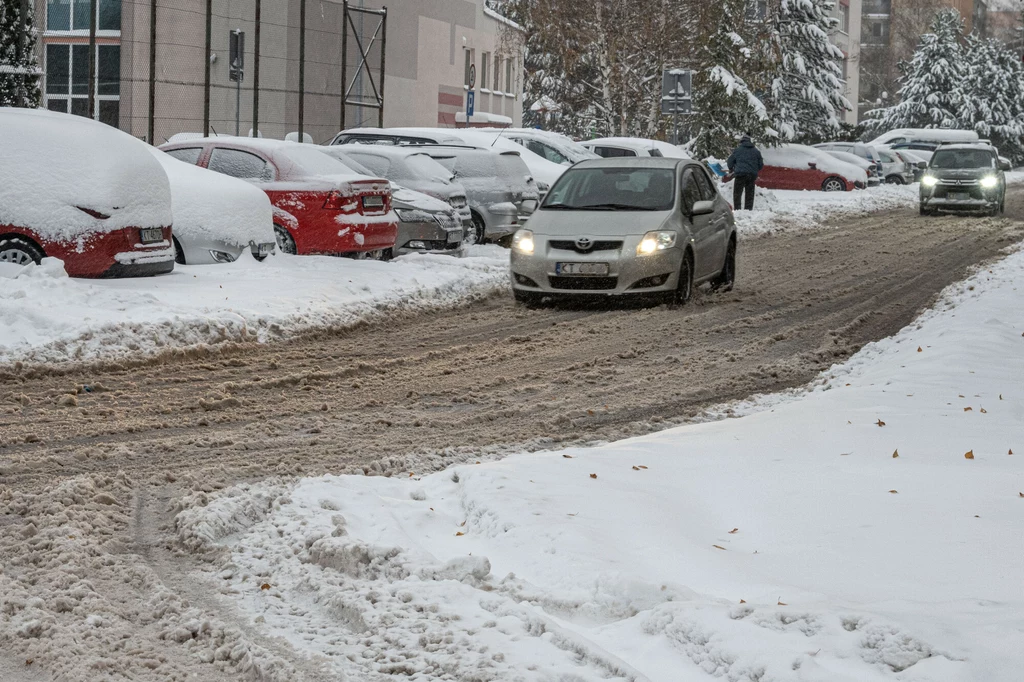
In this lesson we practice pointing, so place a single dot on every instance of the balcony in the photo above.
(870, 7)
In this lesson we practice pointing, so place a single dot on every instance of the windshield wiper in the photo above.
(558, 206)
(614, 207)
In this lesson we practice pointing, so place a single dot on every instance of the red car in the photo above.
(83, 192)
(799, 167)
(319, 206)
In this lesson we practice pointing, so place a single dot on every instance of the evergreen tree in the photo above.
(992, 95)
(19, 81)
(726, 104)
(932, 82)
(808, 91)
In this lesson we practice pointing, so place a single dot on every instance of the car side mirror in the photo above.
(812, 165)
(702, 208)
(1005, 165)
(922, 165)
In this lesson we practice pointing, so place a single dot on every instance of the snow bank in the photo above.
(870, 530)
(47, 317)
(57, 164)
(209, 205)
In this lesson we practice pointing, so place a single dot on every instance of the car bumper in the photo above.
(118, 253)
(429, 238)
(979, 200)
(628, 274)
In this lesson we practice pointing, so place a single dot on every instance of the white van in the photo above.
(901, 135)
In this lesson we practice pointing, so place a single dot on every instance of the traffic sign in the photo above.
(472, 76)
(470, 104)
(676, 91)
(236, 61)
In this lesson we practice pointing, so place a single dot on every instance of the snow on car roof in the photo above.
(210, 205)
(634, 162)
(57, 164)
(639, 143)
(388, 151)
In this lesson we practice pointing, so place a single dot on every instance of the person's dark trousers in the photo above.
(743, 184)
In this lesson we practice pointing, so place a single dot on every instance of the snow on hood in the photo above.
(418, 200)
(55, 163)
(209, 205)
(798, 156)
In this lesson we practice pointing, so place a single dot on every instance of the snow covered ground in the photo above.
(871, 528)
(47, 317)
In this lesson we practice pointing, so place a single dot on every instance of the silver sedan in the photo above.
(641, 226)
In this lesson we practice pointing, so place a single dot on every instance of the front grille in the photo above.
(583, 283)
(959, 183)
(942, 192)
(457, 201)
(437, 245)
(565, 245)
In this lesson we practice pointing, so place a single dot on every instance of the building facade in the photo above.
(431, 48)
(846, 37)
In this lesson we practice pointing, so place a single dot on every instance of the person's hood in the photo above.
(746, 142)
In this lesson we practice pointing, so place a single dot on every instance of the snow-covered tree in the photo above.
(992, 95)
(725, 96)
(19, 79)
(932, 82)
(807, 93)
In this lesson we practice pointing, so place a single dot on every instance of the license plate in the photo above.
(591, 269)
(151, 235)
(264, 249)
(373, 202)
(959, 196)
(454, 236)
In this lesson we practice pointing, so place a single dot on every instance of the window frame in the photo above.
(70, 96)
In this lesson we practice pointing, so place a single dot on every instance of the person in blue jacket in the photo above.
(745, 163)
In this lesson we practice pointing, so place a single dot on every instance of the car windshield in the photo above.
(315, 162)
(630, 189)
(422, 167)
(963, 158)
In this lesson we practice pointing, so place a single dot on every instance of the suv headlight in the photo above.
(522, 241)
(929, 180)
(412, 215)
(989, 181)
(654, 242)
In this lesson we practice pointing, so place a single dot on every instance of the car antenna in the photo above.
(498, 136)
(215, 133)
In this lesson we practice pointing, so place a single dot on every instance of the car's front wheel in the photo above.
(19, 251)
(285, 242)
(895, 180)
(684, 290)
(479, 230)
(727, 278)
(833, 184)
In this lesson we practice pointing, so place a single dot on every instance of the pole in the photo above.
(383, 58)
(151, 120)
(209, 66)
(92, 59)
(256, 76)
(302, 69)
(344, 57)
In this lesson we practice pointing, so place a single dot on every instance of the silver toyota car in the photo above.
(627, 226)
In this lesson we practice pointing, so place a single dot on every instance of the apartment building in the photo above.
(846, 37)
(430, 47)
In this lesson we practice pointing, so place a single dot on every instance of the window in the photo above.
(637, 189)
(484, 77)
(497, 73)
(510, 86)
(73, 15)
(707, 190)
(469, 68)
(544, 151)
(239, 164)
(844, 18)
(188, 155)
(691, 192)
(655, 152)
(613, 152)
(377, 165)
(67, 81)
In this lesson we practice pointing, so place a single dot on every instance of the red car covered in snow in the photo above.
(320, 207)
(799, 167)
(88, 194)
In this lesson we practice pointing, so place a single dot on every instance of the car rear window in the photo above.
(315, 162)
(638, 189)
(240, 164)
(963, 158)
(421, 166)
(613, 152)
(376, 164)
(188, 155)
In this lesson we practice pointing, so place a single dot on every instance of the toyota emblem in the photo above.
(584, 244)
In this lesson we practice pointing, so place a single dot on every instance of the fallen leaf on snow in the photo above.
(265, 586)
(983, 411)
(894, 492)
(743, 601)
(969, 454)
(718, 547)
(567, 456)
(462, 525)
(782, 603)
(968, 409)
(593, 475)
(895, 454)
(1010, 452)
(881, 423)
(734, 531)
(636, 468)
(919, 349)
(459, 534)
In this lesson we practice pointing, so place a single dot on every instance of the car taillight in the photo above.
(338, 201)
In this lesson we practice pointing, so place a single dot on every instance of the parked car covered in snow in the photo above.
(319, 206)
(216, 218)
(552, 146)
(864, 164)
(797, 166)
(409, 167)
(88, 194)
(864, 151)
(425, 224)
(896, 170)
(935, 135)
(502, 193)
(543, 171)
(395, 136)
(616, 147)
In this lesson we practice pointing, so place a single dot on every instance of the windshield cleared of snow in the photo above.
(629, 189)
(963, 158)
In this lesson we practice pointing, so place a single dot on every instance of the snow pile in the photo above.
(46, 317)
(869, 530)
(213, 206)
(55, 165)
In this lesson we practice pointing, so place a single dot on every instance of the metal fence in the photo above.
(168, 68)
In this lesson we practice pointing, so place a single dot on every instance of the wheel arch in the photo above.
(23, 236)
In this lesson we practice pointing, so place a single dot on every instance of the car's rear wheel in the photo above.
(684, 290)
(19, 251)
(727, 278)
(479, 230)
(285, 242)
(895, 180)
(833, 184)
(179, 254)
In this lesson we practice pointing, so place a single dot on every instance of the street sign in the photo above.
(472, 76)
(676, 91)
(237, 56)
(470, 104)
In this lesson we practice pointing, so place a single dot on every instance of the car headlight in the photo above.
(411, 215)
(522, 241)
(929, 180)
(989, 181)
(654, 242)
